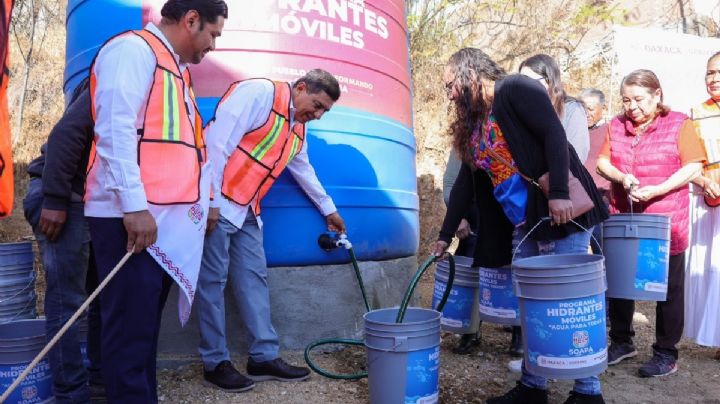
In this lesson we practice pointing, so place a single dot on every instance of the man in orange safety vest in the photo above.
(258, 131)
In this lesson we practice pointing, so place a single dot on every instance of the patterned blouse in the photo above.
(510, 189)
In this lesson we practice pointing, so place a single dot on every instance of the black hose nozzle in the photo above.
(327, 241)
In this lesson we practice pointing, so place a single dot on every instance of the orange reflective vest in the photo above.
(171, 149)
(263, 153)
(7, 189)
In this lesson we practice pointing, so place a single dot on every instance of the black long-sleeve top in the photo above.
(537, 142)
(63, 160)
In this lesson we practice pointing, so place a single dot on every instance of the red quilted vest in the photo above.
(652, 160)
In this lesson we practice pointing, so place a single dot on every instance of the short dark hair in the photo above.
(209, 10)
(318, 80)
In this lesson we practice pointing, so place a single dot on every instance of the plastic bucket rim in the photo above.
(33, 321)
(534, 273)
(560, 284)
(436, 317)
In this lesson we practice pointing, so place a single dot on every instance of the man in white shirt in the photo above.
(148, 160)
(258, 130)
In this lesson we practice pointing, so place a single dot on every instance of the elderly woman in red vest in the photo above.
(650, 154)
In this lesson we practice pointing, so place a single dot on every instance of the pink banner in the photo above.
(362, 42)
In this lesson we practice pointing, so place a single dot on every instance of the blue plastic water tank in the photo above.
(363, 150)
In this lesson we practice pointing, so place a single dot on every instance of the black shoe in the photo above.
(580, 398)
(516, 345)
(467, 343)
(619, 352)
(521, 394)
(226, 377)
(276, 369)
(661, 364)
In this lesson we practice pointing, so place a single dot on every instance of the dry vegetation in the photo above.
(37, 59)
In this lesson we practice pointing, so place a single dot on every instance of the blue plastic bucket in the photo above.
(498, 303)
(562, 313)
(459, 314)
(637, 254)
(403, 358)
(20, 342)
(17, 282)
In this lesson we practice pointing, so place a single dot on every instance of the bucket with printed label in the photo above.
(562, 313)
(20, 342)
(458, 314)
(497, 300)
(403, 358)
(637, 254)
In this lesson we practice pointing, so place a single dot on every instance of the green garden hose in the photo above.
(359, 278)
(399, 319)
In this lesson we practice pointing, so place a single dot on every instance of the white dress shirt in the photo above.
(243, 111)
(124, 69)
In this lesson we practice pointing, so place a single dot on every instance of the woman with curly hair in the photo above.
(505, 125)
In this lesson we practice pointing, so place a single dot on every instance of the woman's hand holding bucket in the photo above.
(439, 249)
(560, 210)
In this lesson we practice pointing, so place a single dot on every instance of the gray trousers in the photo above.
(234, 255)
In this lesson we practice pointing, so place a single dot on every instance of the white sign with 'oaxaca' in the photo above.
(679, 61)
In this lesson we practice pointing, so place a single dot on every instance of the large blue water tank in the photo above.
(363, 150)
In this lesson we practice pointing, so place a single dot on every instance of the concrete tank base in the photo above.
(308, 303)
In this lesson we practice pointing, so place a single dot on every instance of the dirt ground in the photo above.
(468, 379)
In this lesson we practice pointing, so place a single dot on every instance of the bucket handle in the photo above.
(399, 341)
(542, 219)
(30, 282)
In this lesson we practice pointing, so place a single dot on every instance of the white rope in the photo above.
(64, 329)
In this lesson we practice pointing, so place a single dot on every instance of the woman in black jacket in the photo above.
(505, 126)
